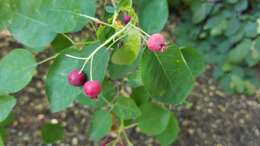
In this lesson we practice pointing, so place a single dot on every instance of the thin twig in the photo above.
(103, 45)
(67, 37)
(140, 30)
(48, 59)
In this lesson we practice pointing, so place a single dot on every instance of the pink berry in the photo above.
(127, 19)
(156, 43)
(92, 88)
(76, 78)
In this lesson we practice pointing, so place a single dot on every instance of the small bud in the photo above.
(127, 19)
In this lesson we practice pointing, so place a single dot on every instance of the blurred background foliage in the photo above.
(228, 34)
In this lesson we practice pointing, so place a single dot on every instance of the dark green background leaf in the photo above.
(153, 120)
(6, 105)
(170, 134)
(101, 124)
(125, 108)
(52, 132)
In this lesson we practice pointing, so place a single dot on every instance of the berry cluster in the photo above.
(91, 88)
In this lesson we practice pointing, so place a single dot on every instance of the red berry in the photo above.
(127, 19)
(156, 43)
(76, 78)
(92, 88)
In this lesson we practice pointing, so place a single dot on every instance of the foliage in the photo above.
(52, 132)
(117, 57)
(228, 34)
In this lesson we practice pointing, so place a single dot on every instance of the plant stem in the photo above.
(91, 68)
(103, 45)
(140, 30)
(131, 126)
(67, 37)
(48, 59)
(106, 101)
(115, 41)
(75, 57)
(95, 20)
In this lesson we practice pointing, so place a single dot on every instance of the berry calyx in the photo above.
(76, 78)
(156, 43)
(92, 88)
(127, 19)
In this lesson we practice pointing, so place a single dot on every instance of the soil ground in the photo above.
(209, 118)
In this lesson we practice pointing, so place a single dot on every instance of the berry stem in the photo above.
(140, 30)
(91, 68)
(130, 126)
(103, 45)
(75, 57)
(48, 59)
(67, 37)
(115, 41)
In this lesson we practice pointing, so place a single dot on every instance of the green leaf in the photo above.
(60, 43)
(242, 5)
(237, 84)
(16, 70)
(126, 109)
(1, 141)
(135, 79)
(3, 134)
(86, 101)
(101, 124)
(100, 61)
(7, 103)
(194, 60)
(153, 15)
(250, 29)
(200, 11)
(154, 119)
(240, 52)
(8, 120)
(52, 133)
(6, 13)
(40, 20)
(170, 134)
(60, 93)
(125, 3)
(140, 95)
(104, 32)
(120, 71)
(166, 76)
(130, 50)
